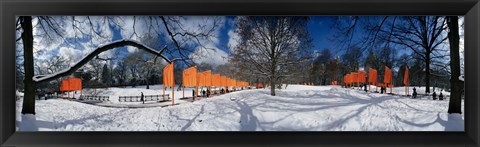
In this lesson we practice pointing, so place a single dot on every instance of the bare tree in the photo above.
(148, 62)
(133, 66)
(352, 59)
(422, 35)
(148, 66)
(120, 72)
(49, 66)
(96, 68)
(269, 45)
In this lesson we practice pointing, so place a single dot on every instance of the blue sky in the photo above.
(319, 28)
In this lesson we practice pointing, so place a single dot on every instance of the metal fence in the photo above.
(97, 98)
(146, 98)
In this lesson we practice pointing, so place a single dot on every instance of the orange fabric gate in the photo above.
(168, 80)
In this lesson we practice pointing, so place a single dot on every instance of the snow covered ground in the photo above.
(297, 108)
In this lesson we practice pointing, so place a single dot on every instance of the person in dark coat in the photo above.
(440, 96)
(434, 96)
(208, 93)
(193, 94)
(203, 93)
(365, 85)
(414, 95)
(141, 98)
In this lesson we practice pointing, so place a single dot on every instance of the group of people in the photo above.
(434, 95)
(382, 88)
(414, 94)
(205, 93)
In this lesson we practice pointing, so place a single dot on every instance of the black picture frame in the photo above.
(9, 9)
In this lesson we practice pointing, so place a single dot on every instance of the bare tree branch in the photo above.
(68, 71)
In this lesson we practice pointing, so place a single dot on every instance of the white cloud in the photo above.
(131, 49)
(208, 52)
(87, 39)
(212, 56)
(77, 40)
(233, 39)
(70, 53)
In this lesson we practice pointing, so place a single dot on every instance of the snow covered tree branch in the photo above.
(94, 53)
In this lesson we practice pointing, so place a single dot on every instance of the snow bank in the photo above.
(18, 93)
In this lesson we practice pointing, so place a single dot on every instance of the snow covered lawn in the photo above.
(297, 108)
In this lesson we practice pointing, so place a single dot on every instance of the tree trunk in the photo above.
(455, 104)
(27, 39)
(427, 73)
(272, 86)
(272, 78)
(148, 85)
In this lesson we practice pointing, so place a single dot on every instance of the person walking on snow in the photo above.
(434, 96)
(414, 95)
(193, 95)
(440, 96)
(141, 98)
(208, 93)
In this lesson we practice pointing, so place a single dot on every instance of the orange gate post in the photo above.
(388, 78)
(208, 79)
(372, 78)
(200, 81)
(168, 80)
(216, 82)
(361, 77)
(355, 79)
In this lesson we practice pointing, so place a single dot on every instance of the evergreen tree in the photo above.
(416, 74)
(319, 72)
(106, 77)
(371, 61)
